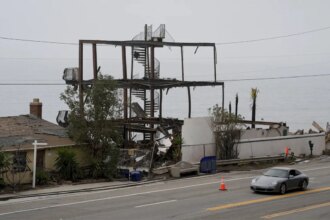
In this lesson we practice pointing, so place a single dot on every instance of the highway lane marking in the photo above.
(254, 201)
(279, 214)
(155, 203)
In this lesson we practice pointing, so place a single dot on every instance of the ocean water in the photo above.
(296, 101)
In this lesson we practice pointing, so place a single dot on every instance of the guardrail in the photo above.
(165, 169)
(249, 160)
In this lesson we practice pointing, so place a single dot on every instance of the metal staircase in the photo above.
(141, 56)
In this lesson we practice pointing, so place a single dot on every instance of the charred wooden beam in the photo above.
(163, 121)
(143, 43)
(162, 83)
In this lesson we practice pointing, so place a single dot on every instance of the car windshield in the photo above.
(277, 173)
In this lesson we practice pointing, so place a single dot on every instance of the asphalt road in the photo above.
(188, 198)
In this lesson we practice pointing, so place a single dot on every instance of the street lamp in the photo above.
(35, 144)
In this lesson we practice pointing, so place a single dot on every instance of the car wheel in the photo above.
(304, 185)
(283, 189)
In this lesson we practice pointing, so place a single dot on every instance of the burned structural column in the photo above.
(189, 102)
(125, 78)
(188, 88)
(94, 61)
(123, 49)
(160, 103)
(215, 63)
(215, 58)
(80, 80)
(223, 96)
(152, 67)
(130, 90)
(182, 66)
(152, 91)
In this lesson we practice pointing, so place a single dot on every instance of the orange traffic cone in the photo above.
(222, 186)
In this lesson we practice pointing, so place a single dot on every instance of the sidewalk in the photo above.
(73, 188)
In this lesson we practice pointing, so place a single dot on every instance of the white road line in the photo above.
(116, 197)
(156, 203)
(136, 194)
(316, 168)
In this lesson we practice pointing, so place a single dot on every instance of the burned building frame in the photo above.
(145, 121)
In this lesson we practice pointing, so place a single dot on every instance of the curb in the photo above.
(90, 189)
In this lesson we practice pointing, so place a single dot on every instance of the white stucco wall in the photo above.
(197, 131)
(198, 141)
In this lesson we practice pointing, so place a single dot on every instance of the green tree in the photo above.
(97, 127)
(227, 132)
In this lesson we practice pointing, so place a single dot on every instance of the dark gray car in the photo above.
(280, 180)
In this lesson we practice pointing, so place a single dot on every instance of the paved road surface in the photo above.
(189, 198)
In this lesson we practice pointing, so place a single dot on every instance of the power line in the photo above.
(37, 41)
(220, 43)
(274, 37)
(274, 78)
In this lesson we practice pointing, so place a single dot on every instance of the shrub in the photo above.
(66, 164)
(2, 184)
(4, 161)
(96, 170)
(42, 177)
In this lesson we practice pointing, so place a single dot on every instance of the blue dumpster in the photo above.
(135, 176)
(208, 164)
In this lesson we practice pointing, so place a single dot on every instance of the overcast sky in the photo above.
(191, 20)
(216, 21)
